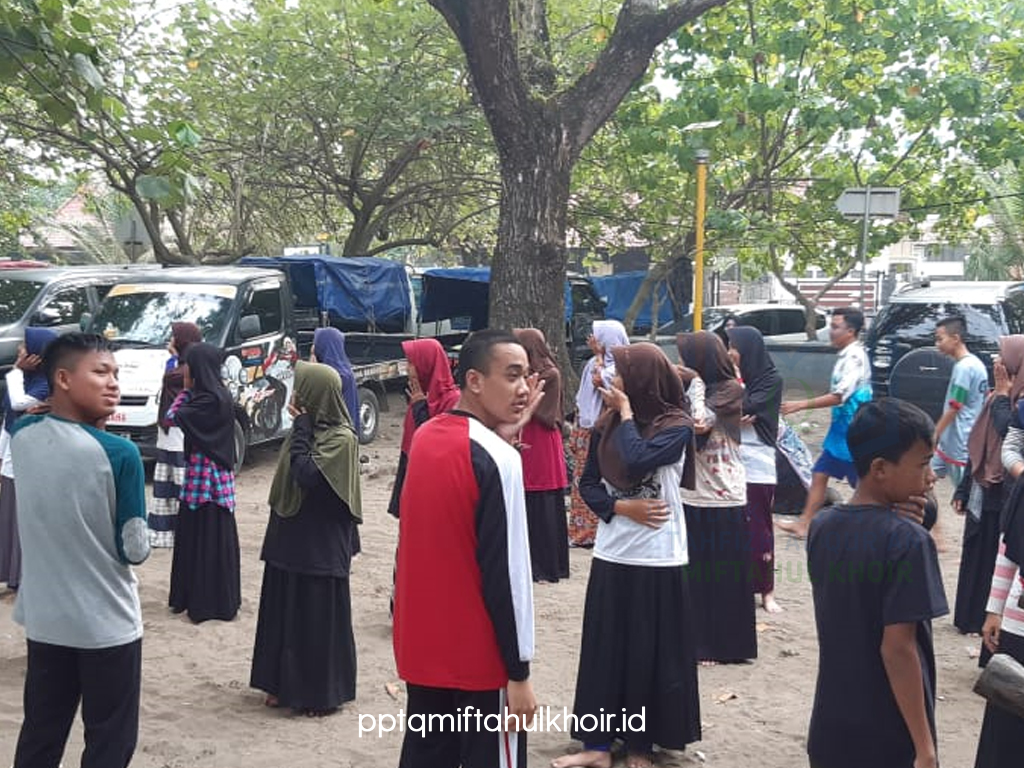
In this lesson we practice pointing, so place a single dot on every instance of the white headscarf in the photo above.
(609, 334)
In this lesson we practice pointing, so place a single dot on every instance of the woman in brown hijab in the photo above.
(169, 472)
(544, 470)
(637, 650)
(721, 579)
(980, 495)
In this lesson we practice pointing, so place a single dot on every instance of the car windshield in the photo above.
(143, 314)
(15, 298)
(915, 323)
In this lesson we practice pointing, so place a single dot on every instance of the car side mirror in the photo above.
(249, 326)
(85, 321)
(47, 317)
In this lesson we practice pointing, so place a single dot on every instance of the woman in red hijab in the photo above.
(544, 470)
(432, 390)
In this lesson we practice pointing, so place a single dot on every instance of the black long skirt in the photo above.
(977, 562)
(637, 653)
(305, 652)
(721, 583)
(10, 546)
(1002, 734)
(549, 535)
(205, 576)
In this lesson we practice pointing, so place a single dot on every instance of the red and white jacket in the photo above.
(464, 589)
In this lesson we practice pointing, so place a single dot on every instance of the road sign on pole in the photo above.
(880, 201)
(865, 203)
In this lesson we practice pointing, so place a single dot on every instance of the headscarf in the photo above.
(542, 362)
(609, 334)
(656, 395)
(435, 379)
(318, 389)
(705, 353)
(329, 348)
(184, 335)
(985, 444)
(207, 419)
(36, 340)
(762, 395)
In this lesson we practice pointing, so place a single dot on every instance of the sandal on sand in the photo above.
(271, 701)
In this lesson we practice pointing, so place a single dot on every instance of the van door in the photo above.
(259, 368)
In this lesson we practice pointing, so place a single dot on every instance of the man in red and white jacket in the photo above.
(463, 625)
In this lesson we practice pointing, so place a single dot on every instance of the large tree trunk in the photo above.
(529, 263)
(539, 135)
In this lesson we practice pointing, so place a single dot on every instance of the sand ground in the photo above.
(198, 711)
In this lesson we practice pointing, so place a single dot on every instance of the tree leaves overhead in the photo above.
(813, 96)
(267, 123)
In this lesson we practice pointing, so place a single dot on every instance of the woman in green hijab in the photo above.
(305, 654)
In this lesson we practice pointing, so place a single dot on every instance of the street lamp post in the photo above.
(698, 254)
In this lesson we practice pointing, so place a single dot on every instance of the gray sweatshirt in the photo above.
(82, 522)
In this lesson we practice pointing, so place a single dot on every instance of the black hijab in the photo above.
(207, 419)
(763, 394)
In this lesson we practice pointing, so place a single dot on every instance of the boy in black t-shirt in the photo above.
(876, 583)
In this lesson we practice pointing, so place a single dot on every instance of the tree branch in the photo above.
(484, 30)
(639, 29)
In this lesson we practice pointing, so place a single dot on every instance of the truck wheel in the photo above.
(240, 445)
(369, 415)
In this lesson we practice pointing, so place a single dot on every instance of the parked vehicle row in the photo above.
(265, 319)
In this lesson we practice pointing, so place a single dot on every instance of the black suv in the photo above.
(901, 341)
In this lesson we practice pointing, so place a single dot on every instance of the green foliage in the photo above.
(998, 252)
(813, 96)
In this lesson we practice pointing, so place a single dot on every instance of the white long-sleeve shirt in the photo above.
(19, 402)
(1005, 593)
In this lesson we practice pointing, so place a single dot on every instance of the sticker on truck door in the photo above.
(260, 379)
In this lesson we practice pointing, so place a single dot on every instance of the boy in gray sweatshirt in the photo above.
(83, 524)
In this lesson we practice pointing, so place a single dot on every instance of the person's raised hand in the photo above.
(615, 398)
(27, 362)
(912, 509)
(1002, 378)
(413, 389)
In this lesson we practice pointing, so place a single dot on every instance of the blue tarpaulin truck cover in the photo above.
(463, 292)
(352, 289)
(620, 290)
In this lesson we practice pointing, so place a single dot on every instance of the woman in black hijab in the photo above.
(205, 579)
(759, 429)
(716, 509)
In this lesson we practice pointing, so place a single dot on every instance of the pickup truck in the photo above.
(262, 321)
(462, 295)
